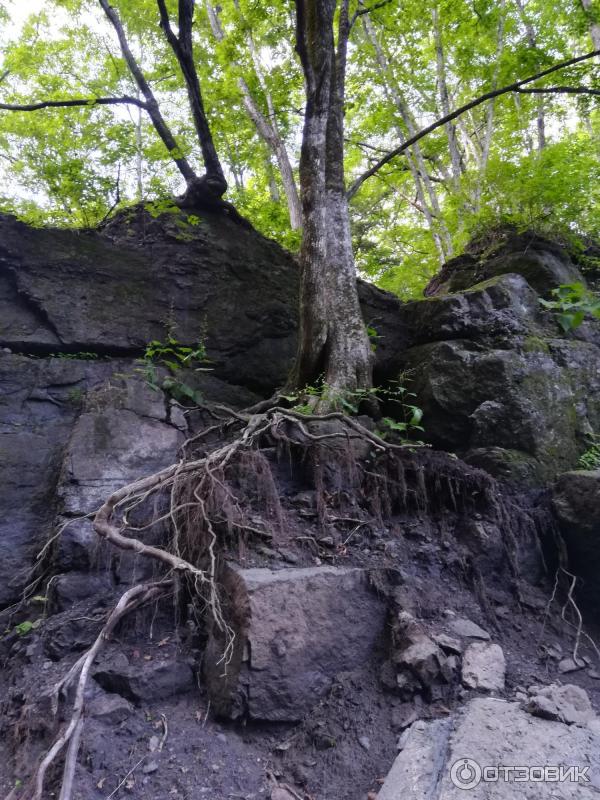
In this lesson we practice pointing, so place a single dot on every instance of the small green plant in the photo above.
(162, 206)
(75, 396)
(591, 458)
(23, 628)
(374, 337)
(573, 302)
(350, 403)
(173, 357)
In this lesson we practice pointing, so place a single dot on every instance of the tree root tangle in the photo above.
(209, 494)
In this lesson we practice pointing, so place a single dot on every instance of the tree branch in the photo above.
(560, 90)
(182, 47)
(367, 10)
(81, 102)
(151, 105)
(513, 87)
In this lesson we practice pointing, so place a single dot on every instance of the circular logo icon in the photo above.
(465, 773)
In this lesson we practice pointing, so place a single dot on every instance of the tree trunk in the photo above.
(266, 126)
(455, 156)
(212, 186)
(594, 24)
(416, 162)
(532, 41)
(333, 341)
(151, 106)
(489, 120)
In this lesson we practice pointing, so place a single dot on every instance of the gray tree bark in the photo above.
(266, 125)
(594, 24)
(333, 340)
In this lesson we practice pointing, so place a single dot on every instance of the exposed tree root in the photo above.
(207, 501)
(71, 734)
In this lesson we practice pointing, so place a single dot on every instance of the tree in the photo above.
(333, 342)
(333, 339)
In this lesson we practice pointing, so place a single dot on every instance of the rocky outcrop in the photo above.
(543, 263)
(576, 500)
(488, 749)
(499, 384)
(206, 278)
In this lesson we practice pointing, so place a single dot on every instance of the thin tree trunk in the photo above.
(532, 41)
(213, 183)
(333, 341)
(489, 123)
(594, 24)
(528, 137)
(416, 162)
(266, 126)
(455, 156)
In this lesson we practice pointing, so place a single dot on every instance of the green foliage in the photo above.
(409, 415)
(70, 166)
(591, 458)
(573, 302)
(76, 396)
(165, 205)
(374, 337)
(173, 357)
(23, 628)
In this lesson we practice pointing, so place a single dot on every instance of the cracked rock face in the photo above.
(71, 433)
(113, 291)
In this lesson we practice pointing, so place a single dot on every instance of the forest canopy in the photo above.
(529, 157)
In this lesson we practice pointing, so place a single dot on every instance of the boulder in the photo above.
(484, 667)
(461, 756)
(568, 703)
(545, 264)
(421, 663)
(146, 681)
(295, 630)
(499, 384)
(519, 408)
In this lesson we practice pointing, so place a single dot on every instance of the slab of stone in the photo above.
(484, 667)
(467, 629)
(295, 629)
(489, 732)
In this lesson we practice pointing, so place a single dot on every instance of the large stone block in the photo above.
(295, 630)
